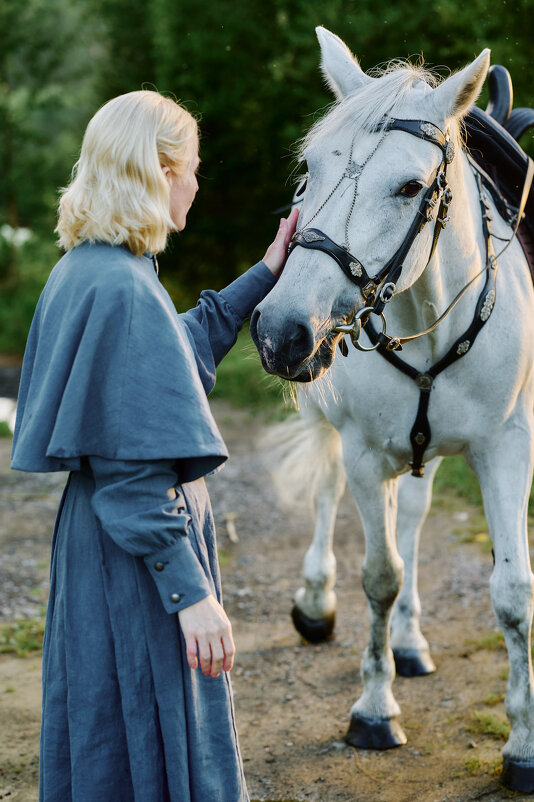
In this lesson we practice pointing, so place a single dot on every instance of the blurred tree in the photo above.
(248, 68)
(48, 52)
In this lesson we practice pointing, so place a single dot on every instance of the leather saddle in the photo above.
(491, 138)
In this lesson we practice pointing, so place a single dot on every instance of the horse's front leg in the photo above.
(504, 469)
(314, 611)
(373, 717)
(410, 647)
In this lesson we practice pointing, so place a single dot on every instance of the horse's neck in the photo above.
(459, 256)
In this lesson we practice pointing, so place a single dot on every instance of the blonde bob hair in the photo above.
(118, 192)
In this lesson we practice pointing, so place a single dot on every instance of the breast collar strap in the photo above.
(420, 434)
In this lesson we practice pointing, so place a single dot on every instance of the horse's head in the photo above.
(365, 188)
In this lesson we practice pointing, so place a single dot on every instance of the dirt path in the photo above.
(293, 699)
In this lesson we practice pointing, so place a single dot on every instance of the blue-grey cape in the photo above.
(113, 389)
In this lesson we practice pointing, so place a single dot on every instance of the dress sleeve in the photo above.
(213, 324)
(139, 507)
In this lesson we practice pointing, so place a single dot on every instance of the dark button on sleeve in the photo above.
(179, 575)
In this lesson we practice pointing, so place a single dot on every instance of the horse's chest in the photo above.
(381, 407)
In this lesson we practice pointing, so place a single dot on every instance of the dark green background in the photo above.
(248, 68)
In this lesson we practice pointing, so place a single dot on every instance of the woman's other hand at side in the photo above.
(208, 636)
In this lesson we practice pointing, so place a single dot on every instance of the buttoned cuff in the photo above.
(179, 576)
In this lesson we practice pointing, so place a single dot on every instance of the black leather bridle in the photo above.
(379, 289)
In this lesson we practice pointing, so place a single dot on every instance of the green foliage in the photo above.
(22, 637)
(5, 431)
(454, 474)
(250, 69)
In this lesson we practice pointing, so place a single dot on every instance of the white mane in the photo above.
(364, 108)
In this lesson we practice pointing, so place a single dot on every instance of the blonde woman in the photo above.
(137, 703)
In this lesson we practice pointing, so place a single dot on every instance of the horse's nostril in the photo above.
(298, 343)
(255, 316)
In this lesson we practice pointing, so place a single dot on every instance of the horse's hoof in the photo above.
(315, 630)
(375, 733)
(413, 662)
(518, 775)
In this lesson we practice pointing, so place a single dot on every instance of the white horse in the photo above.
(389, 153)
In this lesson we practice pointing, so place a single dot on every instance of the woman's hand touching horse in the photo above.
(276, 254)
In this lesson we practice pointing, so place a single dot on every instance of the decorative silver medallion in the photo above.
(311, 236)
(424, 381)
(429, 129)
(487, 306)
(355, 268)
(463, 348)
(420, 438)
(352, 170)
(449, 151)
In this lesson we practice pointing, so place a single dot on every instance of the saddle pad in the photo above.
(500, 157)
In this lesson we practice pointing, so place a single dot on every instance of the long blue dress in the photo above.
(113, 390)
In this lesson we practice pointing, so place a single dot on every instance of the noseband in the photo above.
(379, 289)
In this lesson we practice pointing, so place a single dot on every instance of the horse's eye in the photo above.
(411, 189)
(301, 189)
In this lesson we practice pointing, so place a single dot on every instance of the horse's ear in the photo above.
(340, 68)
(455, 96)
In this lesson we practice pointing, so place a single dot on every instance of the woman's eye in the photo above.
(411, 189)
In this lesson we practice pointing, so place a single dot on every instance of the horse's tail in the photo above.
(302, 454)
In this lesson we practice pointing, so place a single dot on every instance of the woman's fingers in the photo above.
(204, 653)
(292, 223)
(208, 634)
(217, 656)
(229, 652)
(276, 254)
(191, 651)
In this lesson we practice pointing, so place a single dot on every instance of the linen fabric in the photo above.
(113, 389)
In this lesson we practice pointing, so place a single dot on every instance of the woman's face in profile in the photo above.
(183, 191)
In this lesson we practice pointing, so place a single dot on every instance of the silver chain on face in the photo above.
(353, 170)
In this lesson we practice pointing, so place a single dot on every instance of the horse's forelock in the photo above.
(364, 109)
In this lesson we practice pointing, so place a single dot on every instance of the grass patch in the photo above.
(224, 557)
(487, 724)
(472, 535)
(492, 641)
(22, 637)
(5, 431)
(474, 766)
(493, 699)
(455, 480)
(454, 475)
